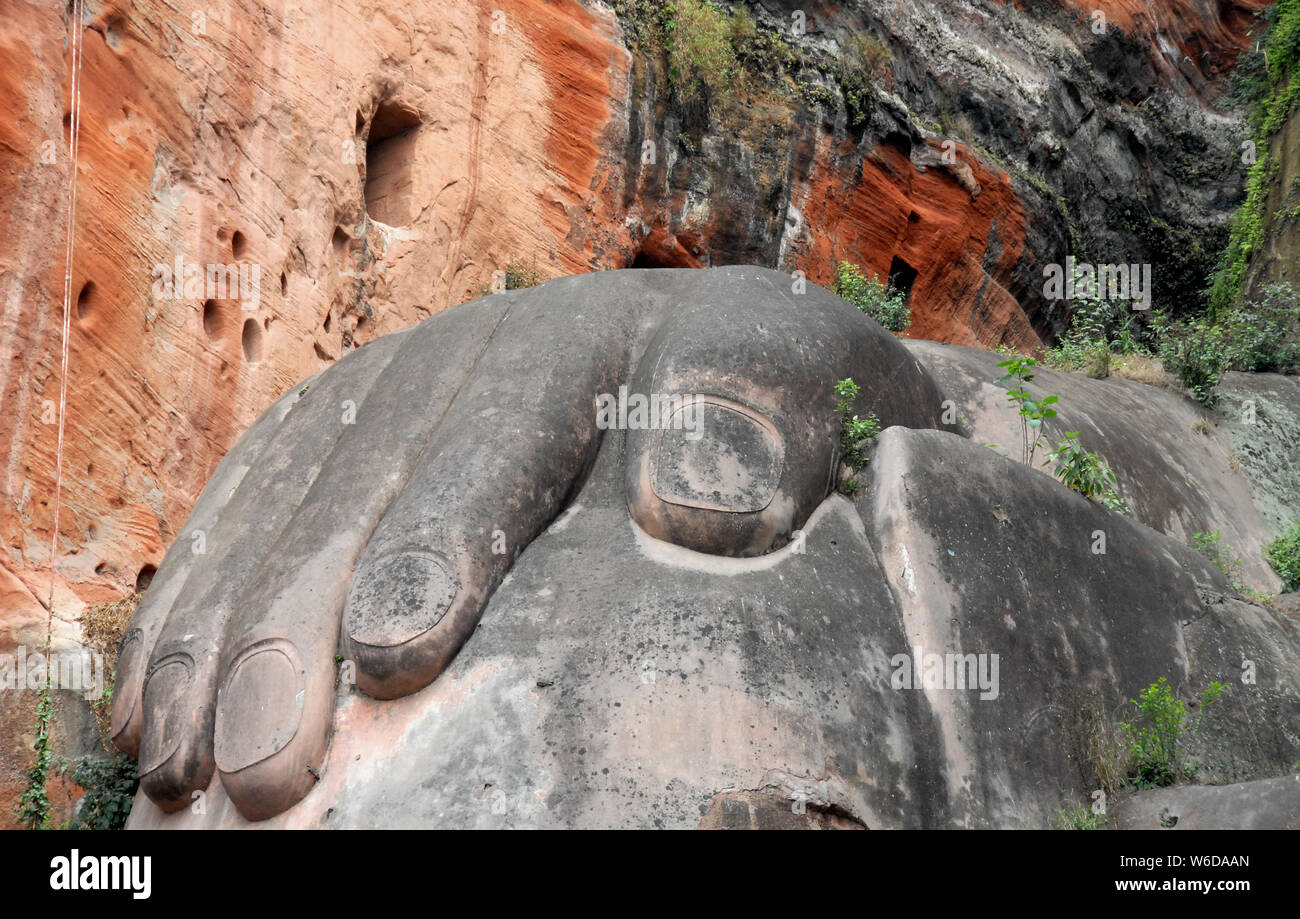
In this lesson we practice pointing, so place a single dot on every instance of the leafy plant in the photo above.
(1260, 335)
(110, 786)
(1220, 553)
(865, 60)
(33, 805)
(874, 297)
(520, 274)
(1283, 554)
(701, 58)
(1079, 817)
(1084, 472)
(1098, 361)
(1159, 734)
(1033, 412)
(1099, 330)
(1196, 353)
(856, 434)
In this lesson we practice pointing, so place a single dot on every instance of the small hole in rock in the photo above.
(238, 244)
(101, 568)
(390, 158)
(145, 578)
(252, 339)
(86, 299)
(340, 240)
(901, 277)
(211, 318)
(329, 321)
(284, 284)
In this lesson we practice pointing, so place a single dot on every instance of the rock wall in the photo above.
(242, 136)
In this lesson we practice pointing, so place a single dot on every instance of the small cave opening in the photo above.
(390, 157)
(658, 255)
(238, 244)
(646, 260)
(252, 341)
(901, 277)
(145, 578)
(211, 318)
(900, 140)
(86, 299)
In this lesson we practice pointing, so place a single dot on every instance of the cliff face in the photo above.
(1058, 139)
(271, 138)
(360, 166)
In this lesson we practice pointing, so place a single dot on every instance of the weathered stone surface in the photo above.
(1258, 416)
(1182, 469)
(617, 679)
(1266, 804)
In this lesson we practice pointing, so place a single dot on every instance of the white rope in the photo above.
(73, 146)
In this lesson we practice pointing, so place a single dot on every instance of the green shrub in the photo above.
(856, 434)
(1221, 554)
(110, 786)
(1084, 472)
(700, 54)
(1261, 335)
(1196, 353)
(1098, 330)
(1033, 412)
(1068, 354)
(520, 274)
(1079, 817)
(1160, 733)
(865, 59)
(1283, 554)
(1098, 362)
(874, 297)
